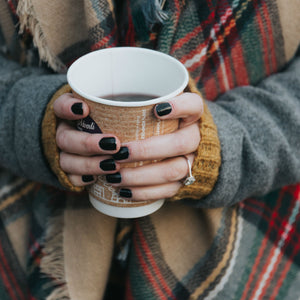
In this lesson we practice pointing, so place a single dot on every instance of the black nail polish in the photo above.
(122, 154)
(163, 109)
(108, 165)
(114, 178)
(108, 143)
(87, 178)
(126, 193)
(77, 108)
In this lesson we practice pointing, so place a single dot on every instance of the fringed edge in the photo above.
(28, 20)
(153, 12)
(52, 263)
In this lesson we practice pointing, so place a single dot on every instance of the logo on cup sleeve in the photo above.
(88, 125)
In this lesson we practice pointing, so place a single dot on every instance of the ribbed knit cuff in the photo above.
(207, 160)
(50, 148)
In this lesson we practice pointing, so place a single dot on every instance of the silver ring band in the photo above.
(190, 179)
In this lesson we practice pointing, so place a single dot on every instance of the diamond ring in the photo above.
(190, 179)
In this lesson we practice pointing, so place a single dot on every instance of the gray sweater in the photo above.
(258, 126)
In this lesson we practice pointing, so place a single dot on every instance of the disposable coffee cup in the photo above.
(121, 87)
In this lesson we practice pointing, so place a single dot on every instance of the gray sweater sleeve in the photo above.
(24, 94)
(259, 132)
(258, 127)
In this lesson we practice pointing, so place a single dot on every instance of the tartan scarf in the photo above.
(179, 252)
(90, 25)
(223, 44)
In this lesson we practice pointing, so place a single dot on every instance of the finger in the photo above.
(151, 193)
(188, 107)
(70, 108)
(70, 140)
(180, 142)
(83, 180)
(167, 171)
(80, 165)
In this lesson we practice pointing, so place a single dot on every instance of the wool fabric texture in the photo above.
(51, 150)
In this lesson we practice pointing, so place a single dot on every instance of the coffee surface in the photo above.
(129, 97)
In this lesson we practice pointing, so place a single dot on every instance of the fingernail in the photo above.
(108, 143)
(108, 165)
(126, 193)
(87, 178)
(114, 178)
(77, 108)
(122, 154)
(163, 109)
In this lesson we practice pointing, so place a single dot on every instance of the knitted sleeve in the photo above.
(259, 132)
(24, 94)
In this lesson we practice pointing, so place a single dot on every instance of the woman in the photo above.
(230, 235)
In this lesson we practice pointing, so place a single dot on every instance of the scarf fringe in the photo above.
(153, 12)
(28, 20)
(52, 264)
(59, 294)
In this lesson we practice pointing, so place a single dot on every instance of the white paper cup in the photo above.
(125, 70)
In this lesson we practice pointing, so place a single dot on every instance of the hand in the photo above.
(83, 155)
(164, 178)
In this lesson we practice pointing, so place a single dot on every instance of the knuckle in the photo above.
(57, 104)
(65, 106)
(173, 190)
(88, 143)
(130, 176)
(189, 141)
(194, 142)
(198, 102)
(141, 196)
(61, 138)
(74, 180)
(174, 172)
(60, 103)
(145, 194)
(143, 149)
(197, 97)
(200, 105)
(89, 166)
(182, 143)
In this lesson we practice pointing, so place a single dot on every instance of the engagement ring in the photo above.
(190, 179)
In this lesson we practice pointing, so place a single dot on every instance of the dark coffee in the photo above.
(129, 97)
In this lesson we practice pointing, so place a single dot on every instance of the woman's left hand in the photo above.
(164, 178)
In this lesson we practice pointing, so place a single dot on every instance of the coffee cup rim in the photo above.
(153, 101)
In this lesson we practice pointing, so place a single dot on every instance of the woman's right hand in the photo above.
(83, 155)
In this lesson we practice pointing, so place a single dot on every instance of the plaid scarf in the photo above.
(223, 44)
(179, 252)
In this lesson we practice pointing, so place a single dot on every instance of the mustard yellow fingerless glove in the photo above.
(51, 150)
(207, 157)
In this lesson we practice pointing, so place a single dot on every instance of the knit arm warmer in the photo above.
(207, 157)
(51, 150)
